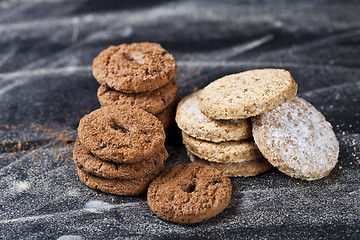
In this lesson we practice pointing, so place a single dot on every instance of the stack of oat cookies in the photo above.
(224, 144)
(138, 74)
(288, 131)
(120, 149)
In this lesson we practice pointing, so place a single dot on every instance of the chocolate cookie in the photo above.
(153, 102)
(167, 116)
(136, 67)
(87, 162)
(121, 133)
(116, 186)
(297, 139)
(189, 193)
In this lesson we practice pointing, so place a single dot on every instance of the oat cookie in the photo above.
(153, 102)
(121, 133)
(116, 186)
(193, 122)
(135, 67)
(224, 152)
(297, 139)
(92, 165)
(246, 94)
(189, 193)
(244, 169)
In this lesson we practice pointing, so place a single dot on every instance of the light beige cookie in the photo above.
(224, 152)
(193, 122)
(244, 169)
(246, 94)
(297, 139)
(153, 102)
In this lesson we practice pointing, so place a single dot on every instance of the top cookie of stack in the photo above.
(138, 74)
(291, 134)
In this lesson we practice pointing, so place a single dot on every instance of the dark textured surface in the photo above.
(46, 86)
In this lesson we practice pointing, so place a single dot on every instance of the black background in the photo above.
(46, 86)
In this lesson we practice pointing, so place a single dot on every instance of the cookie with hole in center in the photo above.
(193, 122)
(244, 169)
(247, 94)
(153, 102)
(121, 133)
(297, 139)
(223, 152)
(189, 193)
(87, 162)
(116, 186)
(135, 67)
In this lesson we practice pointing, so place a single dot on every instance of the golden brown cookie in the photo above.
(244, 169)
(297, 139)
(193, 122)
(116, 186)
(189, 193)
(87, 162)
(153, 102)
(223, 152)
(121, 133)
(247, 94)
(135, 67)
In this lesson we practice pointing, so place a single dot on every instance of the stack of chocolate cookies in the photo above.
(138, 74)
(119, 149)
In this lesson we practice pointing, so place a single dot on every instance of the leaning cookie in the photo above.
(297, 139)
(135, 67)
(244, 169)
(247, 94)
(193, 122)
(116, 186)
(189, 193)
(87, 162)
(153, 102)
(223, 152)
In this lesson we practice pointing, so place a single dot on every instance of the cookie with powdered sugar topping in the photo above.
(297, 139)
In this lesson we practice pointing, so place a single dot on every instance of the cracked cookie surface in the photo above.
(135, 67)
(121, 133)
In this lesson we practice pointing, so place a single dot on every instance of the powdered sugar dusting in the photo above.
(297, 139)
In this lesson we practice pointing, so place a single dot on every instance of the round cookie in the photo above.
(297, 139)
(167, 116)
(244, 169)
(153, 102)
(135, 67)
(121, 133)
(87, 162)
(116, 186)
(246, 94)
(189, 193)
(223, 152)
(193, 122)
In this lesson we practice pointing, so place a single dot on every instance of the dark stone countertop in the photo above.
(46, 86)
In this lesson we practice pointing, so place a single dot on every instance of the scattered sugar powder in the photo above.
(297, 139)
